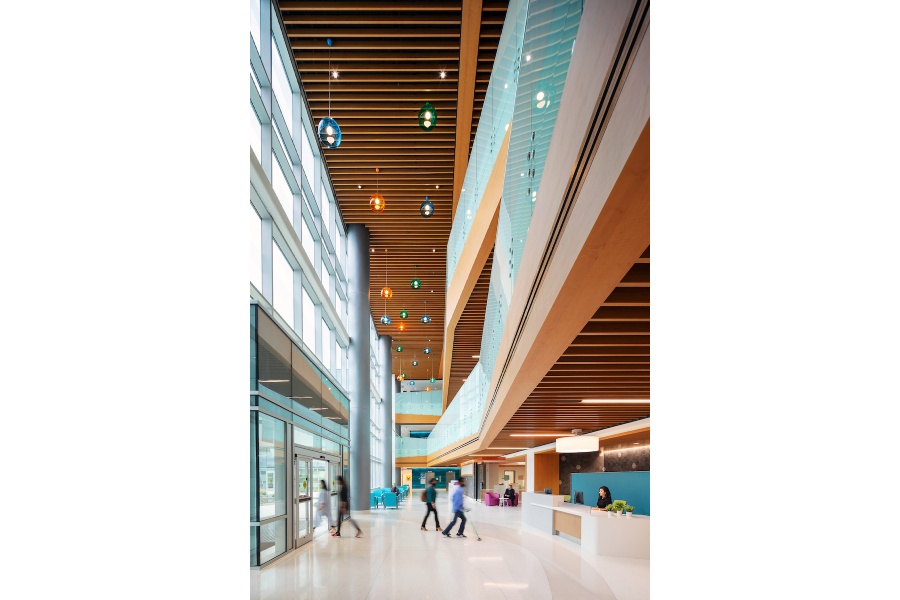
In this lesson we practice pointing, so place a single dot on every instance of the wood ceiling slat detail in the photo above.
(469, 328)
(388, 56)
(608, 359)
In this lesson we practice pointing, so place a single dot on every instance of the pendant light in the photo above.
(431, 369)
(329, 131)
(427, 208)
(425, 318)
(386, 292)
(577, 443)
(401, 376)
(427, 350)
(427, 117)
(399, 348)
(416, 283)
(376, 202)
(415, 361)
(403, 313)
(401, 327)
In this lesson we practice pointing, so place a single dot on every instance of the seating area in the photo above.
(493, 499)
(385, 498)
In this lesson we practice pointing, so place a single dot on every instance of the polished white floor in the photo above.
(394, 559)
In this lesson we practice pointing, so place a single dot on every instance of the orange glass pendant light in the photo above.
(376, 202)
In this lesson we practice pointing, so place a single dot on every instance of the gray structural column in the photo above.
(359, 319)
(386, 389)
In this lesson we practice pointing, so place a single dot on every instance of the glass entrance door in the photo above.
(320, 474)
(302, 501)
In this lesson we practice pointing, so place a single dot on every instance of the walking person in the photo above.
(344, 501)
(323, 504)
(431, 502)
(458, 512)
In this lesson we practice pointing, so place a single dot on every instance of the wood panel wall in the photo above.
(546, 472)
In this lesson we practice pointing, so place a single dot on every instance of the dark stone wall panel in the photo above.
(613, 458)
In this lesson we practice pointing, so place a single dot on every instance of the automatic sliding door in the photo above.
(303, 502)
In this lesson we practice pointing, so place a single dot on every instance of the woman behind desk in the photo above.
(603, 497)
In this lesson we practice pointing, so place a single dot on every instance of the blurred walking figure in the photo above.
(431, 502)
(458, 512)
(323, 504)
(344, 497)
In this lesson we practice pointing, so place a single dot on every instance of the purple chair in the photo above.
(491, 499)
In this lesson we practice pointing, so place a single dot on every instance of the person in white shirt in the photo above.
(323, 504)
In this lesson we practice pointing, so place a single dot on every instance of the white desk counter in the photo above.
(599, 533)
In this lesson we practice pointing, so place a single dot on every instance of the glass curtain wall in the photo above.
(298, 292)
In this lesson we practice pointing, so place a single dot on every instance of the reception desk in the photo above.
(597, 532)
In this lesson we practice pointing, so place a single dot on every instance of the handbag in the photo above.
(424, 496)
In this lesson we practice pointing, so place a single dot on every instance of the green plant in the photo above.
(629, 508)
(619, 505)
(609, 508)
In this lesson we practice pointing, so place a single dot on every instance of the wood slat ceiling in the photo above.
(608, 359)
(469, 329)
(388, 56)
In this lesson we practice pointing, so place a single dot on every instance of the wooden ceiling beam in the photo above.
(615, 327)
(450, 58)
(339, 34)
(379, 45)
(622, 313)
(341, 19)
(611, 340)
(332, 7)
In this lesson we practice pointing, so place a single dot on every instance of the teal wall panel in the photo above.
(631, 486)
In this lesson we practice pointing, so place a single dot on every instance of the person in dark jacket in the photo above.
(344, 497)
(510, 494)
(431, 502)
(604, 498)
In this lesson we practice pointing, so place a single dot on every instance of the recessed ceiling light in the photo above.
(359, 187)
(476, 356)
(335, 74)
(636, 444)
(522, 174)
(527, 57)
(437, 187)
(443, 74)
(505, 85)
(433, 250)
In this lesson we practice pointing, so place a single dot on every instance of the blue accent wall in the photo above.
(631, 486)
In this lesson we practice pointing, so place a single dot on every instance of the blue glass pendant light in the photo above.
(427, 350)
(385, 320)
(427, 208)
(425, 318)
(329, 131)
